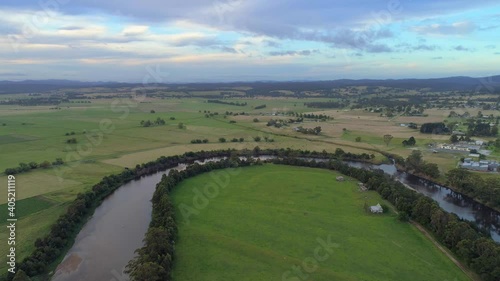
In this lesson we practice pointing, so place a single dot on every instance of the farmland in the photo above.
(109, 137)
(269, 219)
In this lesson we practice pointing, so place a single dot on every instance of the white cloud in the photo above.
(135, 30)
(456, 28)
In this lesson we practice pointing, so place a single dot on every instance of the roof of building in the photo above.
(376, 208)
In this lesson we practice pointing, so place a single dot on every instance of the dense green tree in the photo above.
(21, 276)
(387, 139)
(414, 160)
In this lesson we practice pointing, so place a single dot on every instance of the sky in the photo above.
(247, 40)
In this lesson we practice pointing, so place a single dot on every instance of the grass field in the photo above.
(269, 219)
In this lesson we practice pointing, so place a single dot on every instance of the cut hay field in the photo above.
(272, 222)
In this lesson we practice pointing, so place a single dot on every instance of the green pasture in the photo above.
(268, 219)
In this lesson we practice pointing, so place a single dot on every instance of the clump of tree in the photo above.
(277, 123)
(181, 126)
(342, 155)
(301, 116)
(255, 120)
(58, 162)
(412, 125)
(228, 102)
(387, 139)
(260, 106)
(26, 167)
(481, 128)
(232, 122)
(326, 104)
(320, 117)
(148, 123)
(70, 133)
(21, 276)
(199, 141)
(309, 131)
(71, 140)
(483, 189)
(52, 100)
(415, 163)
(409, 142)
(456, 138)
(434, 128)
(267, 139)
(222, 139)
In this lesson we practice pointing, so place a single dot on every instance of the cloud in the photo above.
(406, 47)
(193, 39)
(365, 40)
(378, 48)
(71, 27)
(226, 49)
(272, 43)
(462, 49)
(88, 35)
(437, 58)
(490, 46)
(294, 53)
(12, 74)
(457, 28)
(135, 30)
(7, 28)
(424, 47)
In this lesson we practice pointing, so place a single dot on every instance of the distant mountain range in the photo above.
(459, 83)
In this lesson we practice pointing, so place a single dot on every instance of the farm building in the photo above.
(483, 165)
(377, 209)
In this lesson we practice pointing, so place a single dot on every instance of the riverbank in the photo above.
(443, 183)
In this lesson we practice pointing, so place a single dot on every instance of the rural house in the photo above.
(377, 209)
